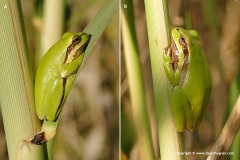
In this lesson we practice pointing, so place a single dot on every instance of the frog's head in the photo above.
(77, 45)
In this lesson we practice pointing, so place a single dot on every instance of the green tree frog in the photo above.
(190, 83)
(54, 78)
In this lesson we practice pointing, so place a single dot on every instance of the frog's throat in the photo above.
(174, 56)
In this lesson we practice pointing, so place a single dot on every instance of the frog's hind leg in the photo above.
(182, 111)
(178, 110)
(188, 111)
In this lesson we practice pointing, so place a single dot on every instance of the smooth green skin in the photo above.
(190, 85)
(55, 75)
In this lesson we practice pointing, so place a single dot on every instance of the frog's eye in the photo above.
(76, 40)
(183, 41)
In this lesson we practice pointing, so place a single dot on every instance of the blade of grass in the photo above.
(233, 95)
(159, 37)
(98, 24)
(228, 134)
(16, 83)
(136, 85)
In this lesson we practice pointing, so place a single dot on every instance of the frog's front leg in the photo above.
(170, 66)
(71, 68)
(168, 62)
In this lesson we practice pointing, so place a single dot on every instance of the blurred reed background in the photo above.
(88, 128)
(219, 27)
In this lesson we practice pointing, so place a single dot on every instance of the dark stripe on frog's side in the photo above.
(81, 50)
(185, 67)
(61, 100)
(69, 50)
(63, 93)
(186, 61)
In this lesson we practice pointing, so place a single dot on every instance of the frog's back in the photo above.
(47, 73)
(198, 88)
